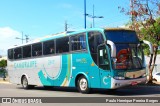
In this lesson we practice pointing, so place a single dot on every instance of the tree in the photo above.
(145, 20)
(3, 64)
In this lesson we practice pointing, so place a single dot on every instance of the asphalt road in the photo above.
(11, 90)
(8, 90)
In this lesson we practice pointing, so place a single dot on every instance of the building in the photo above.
(3, 58)
(157, 64)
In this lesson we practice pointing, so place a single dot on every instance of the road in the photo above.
(7, 90)
(11, 90)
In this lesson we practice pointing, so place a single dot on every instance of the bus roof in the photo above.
(118, 29)
(52, 36)
(68, 33)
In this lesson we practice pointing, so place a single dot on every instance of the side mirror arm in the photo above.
(113, 48)
(149, 44)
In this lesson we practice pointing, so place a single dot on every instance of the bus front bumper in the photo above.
(122, 83)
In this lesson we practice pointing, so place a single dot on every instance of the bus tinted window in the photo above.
(27, 51)
(94, 39)
(10, 53)
(37, 49)
(121, 36)
(48, 47)
(18, 53)
(62, 45)
(78, 42)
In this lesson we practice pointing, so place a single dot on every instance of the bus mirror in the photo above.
(113, 48)
(149, 44)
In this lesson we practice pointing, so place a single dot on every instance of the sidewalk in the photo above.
(156, 82)
(4, 82)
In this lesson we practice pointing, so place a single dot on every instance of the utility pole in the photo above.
(93, 17)
(84, 14)
(91, 25)
(66, 26)
(22, 37)
(27, 38)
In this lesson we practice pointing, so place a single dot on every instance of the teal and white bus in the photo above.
(92, 58)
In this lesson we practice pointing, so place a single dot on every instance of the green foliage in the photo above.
(146, 49)
(2, 71)
(3, 64)
(146, 22)
(152, 34)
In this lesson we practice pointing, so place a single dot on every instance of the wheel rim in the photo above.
(83, 84)
(25, 83)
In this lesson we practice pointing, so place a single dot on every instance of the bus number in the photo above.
(50, 62)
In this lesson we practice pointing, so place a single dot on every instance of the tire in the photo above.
(82, 85)
(25, 83)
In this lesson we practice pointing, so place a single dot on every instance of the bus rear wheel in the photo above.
(82, 85)
(25, 83)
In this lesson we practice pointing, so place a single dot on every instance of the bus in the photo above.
(107, 58)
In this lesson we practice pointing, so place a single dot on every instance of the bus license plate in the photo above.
(134, 83)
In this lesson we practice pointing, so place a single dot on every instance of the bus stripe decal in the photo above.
(66, 80)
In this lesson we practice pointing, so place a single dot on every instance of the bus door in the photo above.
(104, 66)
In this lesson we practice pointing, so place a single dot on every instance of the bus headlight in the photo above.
(119, 78)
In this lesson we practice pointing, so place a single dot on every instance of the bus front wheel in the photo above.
(82, 85)
(25, 83)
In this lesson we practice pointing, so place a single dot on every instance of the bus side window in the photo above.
(78, 42)
(62, 45)
(48, 47)
(37, 49)
(10, 53)
(18, 53)
(52, 50)
(27, 51)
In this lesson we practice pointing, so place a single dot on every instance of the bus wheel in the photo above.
(82, 85)
(25, 83)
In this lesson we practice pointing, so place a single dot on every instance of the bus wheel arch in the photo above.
(24, 82)
(83, 88)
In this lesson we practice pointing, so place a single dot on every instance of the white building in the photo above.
(3, 58)
(157, 64)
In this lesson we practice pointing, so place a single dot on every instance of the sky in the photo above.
(38, 18)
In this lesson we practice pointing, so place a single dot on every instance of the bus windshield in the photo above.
(122, 36)
(129, 53)
(129, 56)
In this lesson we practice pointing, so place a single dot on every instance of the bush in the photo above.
(3, 73)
